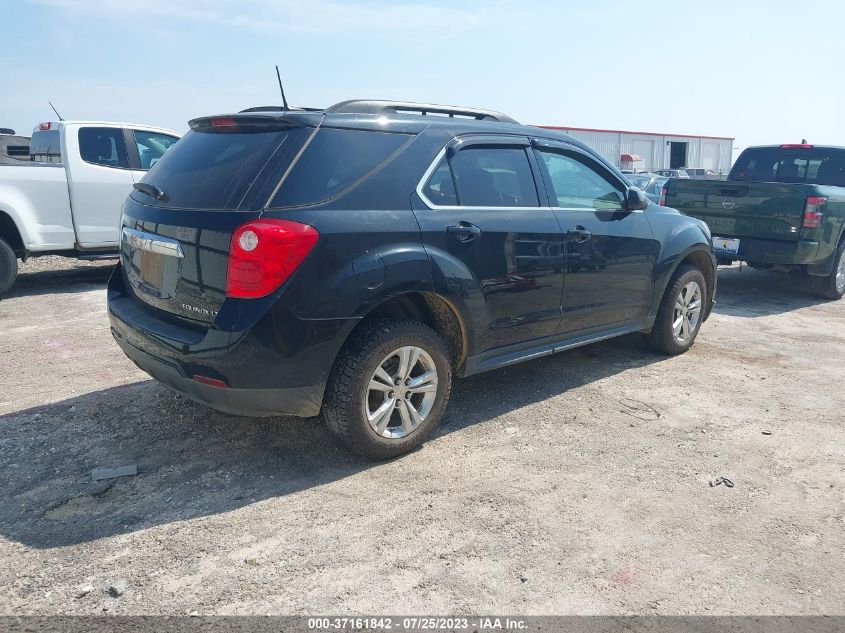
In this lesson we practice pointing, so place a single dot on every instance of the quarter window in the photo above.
(103, 146)
(578, 185)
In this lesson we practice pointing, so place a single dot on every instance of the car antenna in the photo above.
(56, 111)
(284, 101)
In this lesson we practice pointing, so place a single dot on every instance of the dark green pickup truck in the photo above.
(782, 207)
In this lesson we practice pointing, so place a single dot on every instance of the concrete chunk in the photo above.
(110, 473)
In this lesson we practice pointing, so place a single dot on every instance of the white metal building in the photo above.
(646, 150)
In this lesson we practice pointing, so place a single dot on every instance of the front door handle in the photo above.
(579, 235)
(464, 231)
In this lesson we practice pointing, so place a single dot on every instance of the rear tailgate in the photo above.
(762, 210)
(177, 226)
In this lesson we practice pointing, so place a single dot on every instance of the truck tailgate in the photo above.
(762, 210)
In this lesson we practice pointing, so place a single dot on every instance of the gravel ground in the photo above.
(574, 484)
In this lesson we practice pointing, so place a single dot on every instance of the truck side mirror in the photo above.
(635, 200)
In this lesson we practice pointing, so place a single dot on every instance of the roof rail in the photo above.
(373, 106)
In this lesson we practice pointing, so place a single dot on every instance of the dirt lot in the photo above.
(577, 483)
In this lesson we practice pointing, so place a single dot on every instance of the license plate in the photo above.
(726, 245)
(151, 269)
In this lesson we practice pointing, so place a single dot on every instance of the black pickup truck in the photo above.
(782, 207)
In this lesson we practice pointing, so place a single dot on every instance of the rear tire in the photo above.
(833, 285)
(681, 312)
(389, 388)
(8, 267)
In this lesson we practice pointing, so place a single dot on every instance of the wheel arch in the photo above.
(432, 309)
(11, 234)
(698, 255)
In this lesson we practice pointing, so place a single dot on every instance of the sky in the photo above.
(762, 72)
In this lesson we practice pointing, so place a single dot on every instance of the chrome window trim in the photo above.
(152, 243)
(456, 207)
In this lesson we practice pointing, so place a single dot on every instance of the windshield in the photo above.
(794, 165)
(638, 180)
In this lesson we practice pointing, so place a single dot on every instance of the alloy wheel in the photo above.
(687, 312)
(401, 392)
(840, 273)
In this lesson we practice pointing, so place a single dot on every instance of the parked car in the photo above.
(354, 260)
(13, 148)
(672, 173)
(66, 200)
(782, 207)
(701, 174)
(650, 184)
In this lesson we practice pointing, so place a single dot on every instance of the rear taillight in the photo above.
(812, 212)
(662, 200)
(264, 254)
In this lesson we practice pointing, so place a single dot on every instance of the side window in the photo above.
(440, 188)
(151, 146)
(494, 177)
(336, 160)
(578, 185)
(103, 146)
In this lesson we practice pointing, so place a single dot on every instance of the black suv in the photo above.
(352, 260)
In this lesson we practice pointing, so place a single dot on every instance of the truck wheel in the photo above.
(832, 286)
(389, 388)
(8, 267)
(681, 312)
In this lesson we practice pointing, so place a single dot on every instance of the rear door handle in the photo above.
(464, 231)
(578, 235)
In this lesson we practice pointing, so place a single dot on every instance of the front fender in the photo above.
(679, 237)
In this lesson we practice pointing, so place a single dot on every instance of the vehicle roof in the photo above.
(137, 126)
(813, 146)
(408, 123)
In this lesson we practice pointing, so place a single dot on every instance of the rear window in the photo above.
(334, 161)
(215, 170)
(45, 147)
(791, 165)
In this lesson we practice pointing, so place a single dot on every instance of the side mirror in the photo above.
(635, 200)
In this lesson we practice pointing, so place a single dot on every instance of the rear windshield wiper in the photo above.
(150, 190)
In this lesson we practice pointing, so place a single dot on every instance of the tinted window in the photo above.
(103, 146)
(578, 184)
(45, 147)
(215, 170)
(639, 181)
(151, 146)
(334, 161)
(440, 188)
(774, 164)
(494, 177)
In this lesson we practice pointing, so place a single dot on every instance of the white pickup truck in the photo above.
(67, 199)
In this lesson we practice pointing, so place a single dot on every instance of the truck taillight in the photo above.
(812, 212)
(264, 254)
(663, 192)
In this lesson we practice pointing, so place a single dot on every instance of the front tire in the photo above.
(389, 388)
(681, 312)
(833, 285)
(8, 267)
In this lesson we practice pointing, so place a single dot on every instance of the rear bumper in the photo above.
(296, 401)
(775, 251)
(278, 366)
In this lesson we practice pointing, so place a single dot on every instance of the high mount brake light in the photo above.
(44, 126)
(223, 123)
(813, 215)
(264, 254)
(796, 146)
